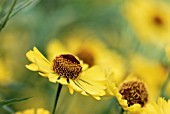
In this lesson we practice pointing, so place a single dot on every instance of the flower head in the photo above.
(151, 72)
(68, 70)
(92, 52)
(131, 95)
(134, 92)
(34, 111)
(150, 19)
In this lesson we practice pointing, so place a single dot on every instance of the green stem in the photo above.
(122, 111)
(20, 8)
(6, 19)
(8, 109)
(56, 98)
(163, 90)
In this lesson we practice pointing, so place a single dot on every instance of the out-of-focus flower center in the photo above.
(158, 21)
(67, 66)
(134, 92)
(86, 56)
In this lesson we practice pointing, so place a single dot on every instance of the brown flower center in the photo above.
(86, 56)
(134, 92)
(67, 66)
(158, 21)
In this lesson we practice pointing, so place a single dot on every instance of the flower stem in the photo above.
(56, 98)
(122, 111)
(7, 17)
(163, 90)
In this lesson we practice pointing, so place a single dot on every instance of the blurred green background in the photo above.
(43, 20)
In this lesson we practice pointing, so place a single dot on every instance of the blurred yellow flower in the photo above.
(34, 111)
(93, 48)
(92, 51)
(132, 95)
(150, 71)
(161, 107)
(150, 19)
(69, 70)
(5, 73)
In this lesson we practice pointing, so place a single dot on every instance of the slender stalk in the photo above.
(8, 109)
(6, 19)
(122, 111)
(163, 90)
(21, 8)
(57, 97)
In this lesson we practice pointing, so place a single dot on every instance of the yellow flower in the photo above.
(34, 111)
(69, 70)
(92, 51)
(5, 73)
(109, 60)
(131, 95)
(161, 107)
(150, 19)
(151, 72)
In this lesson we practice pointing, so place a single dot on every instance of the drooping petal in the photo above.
(32, 67)
(94, 73)
(37, 53)
(39, 62)
(91, 81)
(71, 90)
(53, 77)
(92, 89)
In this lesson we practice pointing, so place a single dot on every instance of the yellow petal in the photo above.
(92, 89)
(32, 67)
(94, 73)
(54, 78)
(42, 74)
(38, 60)
(37, 53)
(84, 66)
(135, 109)
(71, 90)
(30, 56)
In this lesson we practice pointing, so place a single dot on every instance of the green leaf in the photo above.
(5, 19)
(23, 5)
(13, 11)
(11, 101)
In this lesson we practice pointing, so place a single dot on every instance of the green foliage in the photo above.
(14, 10)
(13, 101)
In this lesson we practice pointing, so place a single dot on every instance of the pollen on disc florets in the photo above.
(67, 65)
(134, 92)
